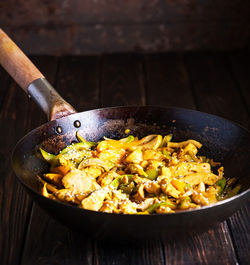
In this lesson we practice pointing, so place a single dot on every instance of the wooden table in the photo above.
(217, 83)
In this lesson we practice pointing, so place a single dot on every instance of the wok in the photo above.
(222, 140)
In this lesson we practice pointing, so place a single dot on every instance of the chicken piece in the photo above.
(179, 184)
(115, 155)
(169, 189)
(79, 182)
(200, 199)
(152, 187)
(106, 178)
(134, 157)
(152, 155)
(67, 195)
(94, 171)
(164, 209)
(211, 194)
(128, 207)
(165, 173)
(184, 168)
(201, 187)
(95, 200)
(196, 178)
(109, 207)
(145, 204)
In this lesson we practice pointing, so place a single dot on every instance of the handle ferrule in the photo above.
(42, 92)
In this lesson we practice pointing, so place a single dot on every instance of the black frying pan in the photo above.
(222, 140)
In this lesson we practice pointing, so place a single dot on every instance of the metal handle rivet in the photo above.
(77, 124)
(59, 129)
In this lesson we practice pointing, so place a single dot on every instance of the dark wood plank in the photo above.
(239, 222)
(217, 93)
(49, 242)
(77, 81)
(208, 247)
(240, 229)
(18, 116)
(212, 247)
(214, 88)
(168, 81)
(123, 253)
(240, 69)
(123, 83)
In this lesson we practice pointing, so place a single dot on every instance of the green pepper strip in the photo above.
(166, 139)
(77, 147)
(128, 139)
(152, 174)
(128, 189)
(167, 154)
(153, 207)
(47, 156)
(233, 192)
(116, 182)
(221, 183)
(185, 203)
(82, 140)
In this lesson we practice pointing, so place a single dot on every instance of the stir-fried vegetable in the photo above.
(135, 176)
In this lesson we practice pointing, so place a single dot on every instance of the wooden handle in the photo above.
(16, 63)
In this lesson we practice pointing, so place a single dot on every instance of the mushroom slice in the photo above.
(95, 162)
(45, 192)
(55, 178)
(152, 141)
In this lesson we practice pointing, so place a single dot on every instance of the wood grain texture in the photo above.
(49, 242)
(122, 81)
(147, 252)
(16, 63)
(212, 247)
(170, 77)
(90, 26)
(124, 38)
(168, 81)
(240, 229)
(214, 89)
(78, 81)
(240, 69)
(239, 222)
(217, 93)
(18, 12)
(15, 204)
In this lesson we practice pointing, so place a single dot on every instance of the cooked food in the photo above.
(135, 176)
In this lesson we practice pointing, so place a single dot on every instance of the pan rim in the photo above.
(179, 212)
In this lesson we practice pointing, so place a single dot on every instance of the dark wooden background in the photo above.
(214, 82)
(106, 26)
